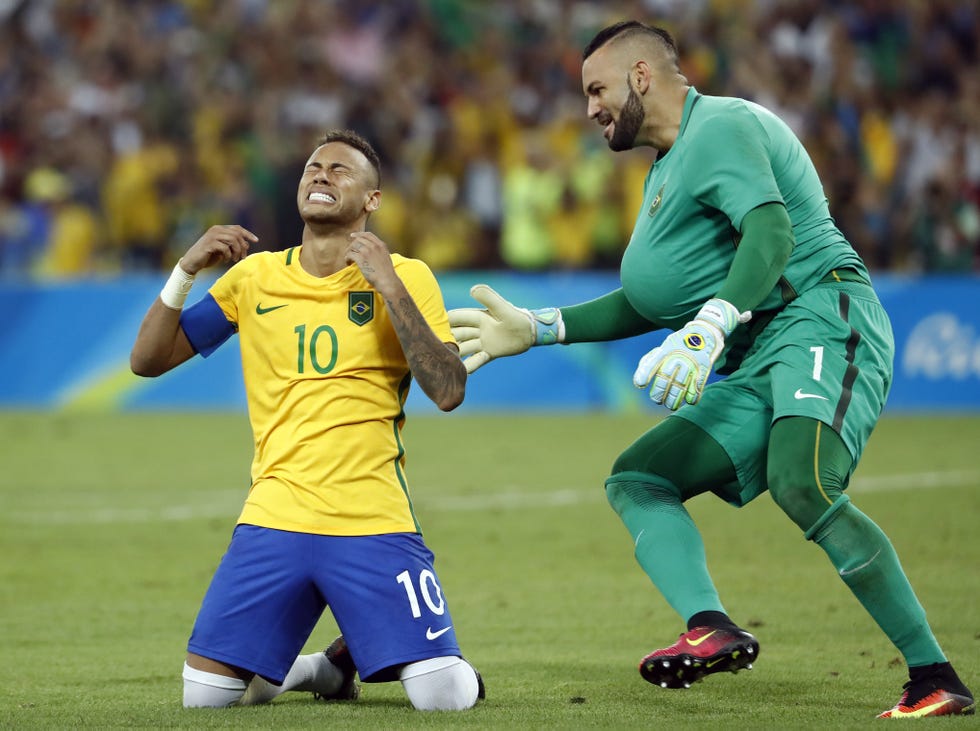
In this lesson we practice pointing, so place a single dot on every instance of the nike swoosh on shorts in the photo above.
(801, 395)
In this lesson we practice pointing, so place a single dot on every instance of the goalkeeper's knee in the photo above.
(803, 499)
(808, 469)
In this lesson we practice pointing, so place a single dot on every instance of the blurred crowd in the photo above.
(127, 127)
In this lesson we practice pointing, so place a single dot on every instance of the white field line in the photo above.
(512, 499)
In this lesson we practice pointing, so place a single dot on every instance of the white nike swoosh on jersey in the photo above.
(800, 395)
(430, 635)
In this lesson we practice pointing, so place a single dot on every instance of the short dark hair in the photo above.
(350, 138)
(626, 29)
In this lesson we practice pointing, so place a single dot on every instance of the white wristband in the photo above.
(174, 292)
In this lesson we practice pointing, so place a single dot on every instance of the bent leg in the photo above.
(210, 689)
(666, 543)
(313, 673)
(808, 469)
(256, 616)
(650, 481)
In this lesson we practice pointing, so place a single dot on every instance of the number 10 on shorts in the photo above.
(429, 589)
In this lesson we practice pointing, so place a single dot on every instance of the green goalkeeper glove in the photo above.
(679, 368)
(501, 329)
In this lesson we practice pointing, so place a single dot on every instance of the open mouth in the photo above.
(608, 125)
(320, 197)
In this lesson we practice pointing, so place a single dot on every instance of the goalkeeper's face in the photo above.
(612, 101)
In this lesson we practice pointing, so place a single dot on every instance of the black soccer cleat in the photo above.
(699, 652)
(481, 689)
(935, 690)
(340, 656)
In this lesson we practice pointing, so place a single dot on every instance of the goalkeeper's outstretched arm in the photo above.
(503, 329)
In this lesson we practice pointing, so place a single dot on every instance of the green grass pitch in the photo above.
(111, 526)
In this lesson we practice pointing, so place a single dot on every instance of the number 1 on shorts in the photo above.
(817, 351)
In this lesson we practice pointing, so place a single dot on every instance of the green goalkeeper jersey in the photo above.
(730, 156)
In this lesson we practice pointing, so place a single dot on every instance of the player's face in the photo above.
(337, 186)
(612, 101)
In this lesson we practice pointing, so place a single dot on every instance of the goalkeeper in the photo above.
(735, 252)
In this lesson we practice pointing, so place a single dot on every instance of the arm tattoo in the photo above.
(437, 369)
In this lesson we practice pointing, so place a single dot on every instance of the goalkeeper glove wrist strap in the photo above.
(722, 315)
(548, 326)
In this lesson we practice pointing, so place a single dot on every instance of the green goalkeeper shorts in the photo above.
(827, 355)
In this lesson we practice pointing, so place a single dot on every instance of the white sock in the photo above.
(209, 690)
(440, 684)
(311, 673)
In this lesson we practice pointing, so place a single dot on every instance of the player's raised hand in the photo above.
(677, 371)
(501, 329)
(373, 258)
(220, 243)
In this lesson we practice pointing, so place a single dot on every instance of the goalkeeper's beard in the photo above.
(628, 125)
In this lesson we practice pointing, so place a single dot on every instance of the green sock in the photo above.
(868, 564)
(666, 543)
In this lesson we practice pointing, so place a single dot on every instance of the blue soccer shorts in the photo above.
(272, 586)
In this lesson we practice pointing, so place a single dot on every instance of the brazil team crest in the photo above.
(655, 205)
(360, 307)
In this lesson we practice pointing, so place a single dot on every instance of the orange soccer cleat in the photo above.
(935, 690)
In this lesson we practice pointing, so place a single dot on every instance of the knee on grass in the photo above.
(210, 690)
(440, 684)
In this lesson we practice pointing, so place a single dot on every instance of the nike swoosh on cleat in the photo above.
(430, 635)
(711, 664)
(923, 712)
(699, 640)
(260, 310)
(801, 395)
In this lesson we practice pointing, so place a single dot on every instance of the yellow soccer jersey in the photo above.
(326, 382)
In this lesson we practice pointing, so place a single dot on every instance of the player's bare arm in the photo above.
(160, 343)
(435, 365)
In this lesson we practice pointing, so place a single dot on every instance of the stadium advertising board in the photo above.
(66, 345)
